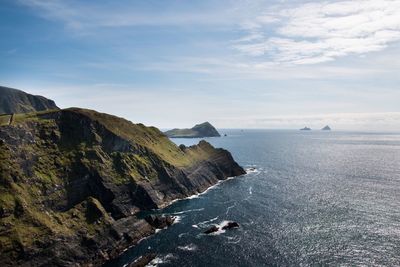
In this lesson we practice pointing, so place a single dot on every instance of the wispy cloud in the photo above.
(319, 32)
(86, 15)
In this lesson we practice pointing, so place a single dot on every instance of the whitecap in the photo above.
(205, 223)
(182, 234)
(190, 247)
(252, 170)
(177, 219)
(229, 208)
(186, 211)
(159, 260)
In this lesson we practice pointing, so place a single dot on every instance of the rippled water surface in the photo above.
(315, 198)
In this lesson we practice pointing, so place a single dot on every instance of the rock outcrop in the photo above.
(198, 131)
(230, 225)
(72, 182)
(305, 129)
(326, 128)
(16, 101)
(227, 226)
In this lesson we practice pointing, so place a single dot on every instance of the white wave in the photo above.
(177, 219)
(229, 208)
(202, 193)
(252, 170)
(204, 223)
(186, 211)
(250, 190)
(234, 240)
(182, 234)
(190, 247)
(159, 260)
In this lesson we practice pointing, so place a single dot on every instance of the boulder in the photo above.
(230, 225)
(160, 221)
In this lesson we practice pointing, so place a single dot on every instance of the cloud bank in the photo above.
(322, 31)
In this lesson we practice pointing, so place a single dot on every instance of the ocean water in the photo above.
(314, 198)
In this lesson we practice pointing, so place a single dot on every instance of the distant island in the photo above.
(305, 129)
(204, 129)
(326, 128)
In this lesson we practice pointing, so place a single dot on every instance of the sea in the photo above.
(309, 198)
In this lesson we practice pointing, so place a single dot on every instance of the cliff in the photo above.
(16, 101)
(198, 131)
(72, 182)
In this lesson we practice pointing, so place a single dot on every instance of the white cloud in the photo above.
(318, 32)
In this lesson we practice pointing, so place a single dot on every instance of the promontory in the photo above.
(72, 182)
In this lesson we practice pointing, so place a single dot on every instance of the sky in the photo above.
(237, 63)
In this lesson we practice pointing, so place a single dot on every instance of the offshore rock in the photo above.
(230, 225)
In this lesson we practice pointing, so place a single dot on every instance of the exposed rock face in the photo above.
(71, 182)
(16, 101)
(160, 222)
(198, 131)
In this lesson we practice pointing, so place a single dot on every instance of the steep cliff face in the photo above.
(71, 182)
(16, 101)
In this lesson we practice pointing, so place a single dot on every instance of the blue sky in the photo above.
(237, 64)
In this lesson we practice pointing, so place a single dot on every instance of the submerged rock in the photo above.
(212, 229)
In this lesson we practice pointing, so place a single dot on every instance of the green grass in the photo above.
(4, 119)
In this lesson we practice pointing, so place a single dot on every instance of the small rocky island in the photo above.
(326, 128)
(305, 129)
(204, 129)
(73, 181)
